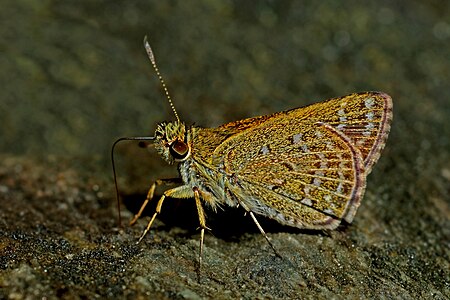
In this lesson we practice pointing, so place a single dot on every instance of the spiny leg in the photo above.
(151, 193)
(180, 192)
(157, 212)
(202, 220)
(264, 234)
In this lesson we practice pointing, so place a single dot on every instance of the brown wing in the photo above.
(306, 167)
(303, 175)
(365, 118)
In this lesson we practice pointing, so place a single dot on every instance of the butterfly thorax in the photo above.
(193, 149)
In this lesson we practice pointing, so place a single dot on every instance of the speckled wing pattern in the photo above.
(363, 117)
(307, 167)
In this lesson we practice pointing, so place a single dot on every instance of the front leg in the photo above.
(201, 219)
(181, 192)
(150, 194)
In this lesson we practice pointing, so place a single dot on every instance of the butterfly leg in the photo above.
(264, 234)
(180, 192)
(201, 218)
(150, 194)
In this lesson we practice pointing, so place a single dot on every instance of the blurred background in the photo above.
(74, 74)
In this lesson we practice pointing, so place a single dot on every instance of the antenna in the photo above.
(136, 138)
(151, 56)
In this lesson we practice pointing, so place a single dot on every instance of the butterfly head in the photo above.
(171, 142)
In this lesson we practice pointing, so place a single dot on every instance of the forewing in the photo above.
(365, 118)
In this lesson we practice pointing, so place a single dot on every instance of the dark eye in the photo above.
(179, 150)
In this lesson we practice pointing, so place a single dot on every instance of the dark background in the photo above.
(74, 76)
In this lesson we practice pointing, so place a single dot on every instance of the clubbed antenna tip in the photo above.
(151, 56)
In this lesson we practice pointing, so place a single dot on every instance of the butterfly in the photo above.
(305, 167)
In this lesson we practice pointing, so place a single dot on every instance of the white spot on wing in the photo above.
(317, 182)
(307, 189)
(297, 138)
(328, 211)
(369, 102)
(265, 149)
(370, 115)
(370, 126)
(330, 145)
(318, 134)
(342, 118)
(306, 201)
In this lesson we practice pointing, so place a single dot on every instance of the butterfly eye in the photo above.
(179, 150)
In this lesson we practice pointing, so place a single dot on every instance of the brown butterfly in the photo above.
(304, 167)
